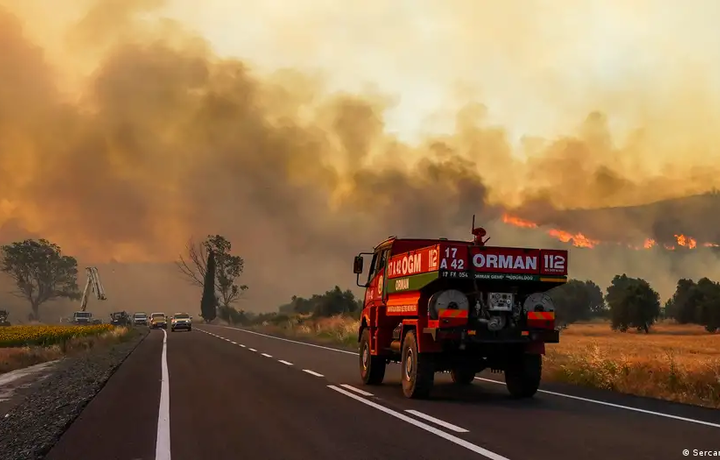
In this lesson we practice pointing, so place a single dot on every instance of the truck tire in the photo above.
(462, 375)
(372, 368)
(523, 375)
(418, 369)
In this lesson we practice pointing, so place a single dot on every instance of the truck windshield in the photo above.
(158, 315)
(182, 316)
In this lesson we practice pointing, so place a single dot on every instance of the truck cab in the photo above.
(438, 305)
(82, 318)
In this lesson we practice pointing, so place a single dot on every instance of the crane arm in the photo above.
(93, 283)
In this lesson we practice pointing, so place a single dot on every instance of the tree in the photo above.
(331, 303)
(335, 302)
(209, 300)
(681, 306)
(633, 303)
(697, 303)
(40, 271)
(228, 268)
(578, 301)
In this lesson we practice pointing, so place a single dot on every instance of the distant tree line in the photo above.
(633, 303)
(331, 303)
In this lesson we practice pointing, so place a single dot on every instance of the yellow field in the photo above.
(20, 336)
(673, 362)
(66, 343)
(677, 363)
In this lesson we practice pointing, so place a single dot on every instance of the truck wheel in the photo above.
(523, 375)
(418, 370)
(372, 368)
(462, 375)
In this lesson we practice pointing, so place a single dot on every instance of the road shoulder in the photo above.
(30, 429)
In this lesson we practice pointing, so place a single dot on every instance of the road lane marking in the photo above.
(552, 393)
(234, 343)
(616, 406)
(243, 345)
(266, 355)
(162, 439)
(292, 341)
(287, 363)
(431, 429)
(437, 421)
(313, 373)
(252, 349)
(356, 390)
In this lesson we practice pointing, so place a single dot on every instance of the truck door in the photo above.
(374, 293)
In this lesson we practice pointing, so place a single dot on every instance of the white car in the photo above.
(140, 319)
(181, 321)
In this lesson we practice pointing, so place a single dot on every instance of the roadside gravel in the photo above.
(29, 430)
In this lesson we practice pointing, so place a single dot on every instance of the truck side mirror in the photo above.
(358, 265)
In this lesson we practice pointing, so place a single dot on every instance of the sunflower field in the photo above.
(43, 336)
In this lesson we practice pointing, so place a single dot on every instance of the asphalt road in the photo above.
(223, 393)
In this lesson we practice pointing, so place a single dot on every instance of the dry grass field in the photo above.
(18, 357)
(673, 362)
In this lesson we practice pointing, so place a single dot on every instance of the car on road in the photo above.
(140, 319)
(180, 321)
(157, 320)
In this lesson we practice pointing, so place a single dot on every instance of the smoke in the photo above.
(123, 132)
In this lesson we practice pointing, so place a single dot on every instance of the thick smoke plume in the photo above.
(122, 134)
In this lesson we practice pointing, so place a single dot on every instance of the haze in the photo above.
(307, 132)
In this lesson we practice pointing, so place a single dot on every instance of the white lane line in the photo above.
(356, 390)
(162, 439)
(234, 343)
(552, 393)
(616, 406)
(287, 363)
(252, 349)
(430, 429)
(313, 373)
(243, 345)
(266, 355)
(437, 421)
(293, 341)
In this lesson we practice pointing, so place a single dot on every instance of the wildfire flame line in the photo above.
(581, 241)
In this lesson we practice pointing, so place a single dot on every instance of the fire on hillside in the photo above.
(581, 240)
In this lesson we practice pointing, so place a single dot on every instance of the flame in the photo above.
(578, 240)
(518, 222)
(683, 240)
(581, 241)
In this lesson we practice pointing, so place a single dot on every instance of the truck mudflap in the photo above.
(465, 335)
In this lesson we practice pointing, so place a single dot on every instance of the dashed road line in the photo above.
(287, 363)
(356, 390)
(242, 345)
(252, 349)
(266, 355)
(497, 382)
(437, 421)
(313, 373)
(430, 429)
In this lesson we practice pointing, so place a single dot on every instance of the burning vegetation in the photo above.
(581, 240)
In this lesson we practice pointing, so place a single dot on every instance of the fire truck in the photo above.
(438, 305)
